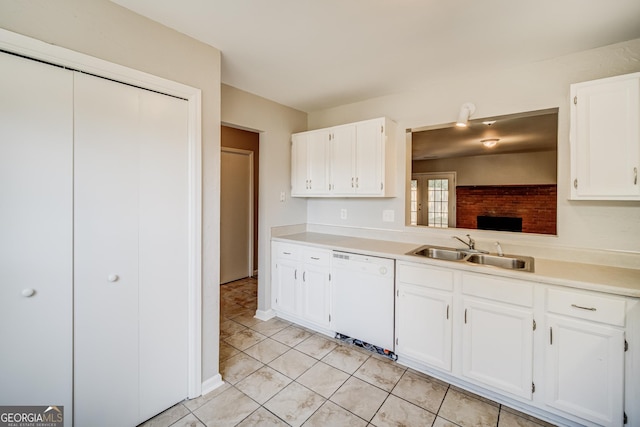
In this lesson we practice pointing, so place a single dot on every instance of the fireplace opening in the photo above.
(499, 223)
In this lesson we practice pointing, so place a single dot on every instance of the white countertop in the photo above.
(614, 280)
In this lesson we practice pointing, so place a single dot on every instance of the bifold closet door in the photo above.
(130, 252)
(36, 183)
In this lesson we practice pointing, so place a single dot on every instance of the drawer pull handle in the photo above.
(447, 311)
(465, 316)
(315, 258)
(583, 308)
(287, 253)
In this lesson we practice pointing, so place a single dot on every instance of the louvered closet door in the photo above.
(130, 262)
(36, 131)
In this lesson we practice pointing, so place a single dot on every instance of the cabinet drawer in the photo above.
(286, 251)
(425, 276)
(587, 305)
(511, 291)
(316, 257)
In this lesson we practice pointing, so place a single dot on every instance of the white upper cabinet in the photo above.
(605, 139)
(358, 160)
(310, 162)
(343, 160)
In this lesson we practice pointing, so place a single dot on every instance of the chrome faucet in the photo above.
(471, 244)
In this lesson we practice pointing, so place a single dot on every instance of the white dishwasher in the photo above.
(362, 301)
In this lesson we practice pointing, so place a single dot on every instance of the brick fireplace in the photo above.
(534, 204)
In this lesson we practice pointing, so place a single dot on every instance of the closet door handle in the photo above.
(635, 176)
(447, 311)
(28, 293)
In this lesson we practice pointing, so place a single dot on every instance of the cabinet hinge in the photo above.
(575, 100)
(533, 387)
(626, 345)
(534, 324)
(624, 418)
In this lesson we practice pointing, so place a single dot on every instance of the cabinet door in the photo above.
(585, 370)
(605, 139)
(310, 163)
(424, 319)
(370, 157)
(497, 348)
(318, 162)
(285, 289)
(36, 225)
(315, 294)
(343, 150)
(299, 178)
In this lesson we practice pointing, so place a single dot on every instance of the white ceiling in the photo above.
(316, 54)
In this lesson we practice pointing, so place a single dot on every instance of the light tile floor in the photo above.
(280, 374)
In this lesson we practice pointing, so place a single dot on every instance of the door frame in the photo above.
(248, 153)
(56, 55)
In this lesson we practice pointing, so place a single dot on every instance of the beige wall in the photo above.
(496, 169)
(275, 123)
(540, 85)
(104, 30)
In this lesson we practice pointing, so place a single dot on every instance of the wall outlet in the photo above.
(282, 196)
(343, 214)
(388, 215)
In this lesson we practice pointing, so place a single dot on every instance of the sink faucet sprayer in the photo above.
(499, 249)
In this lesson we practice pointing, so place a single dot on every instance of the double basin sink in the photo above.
(509, 262)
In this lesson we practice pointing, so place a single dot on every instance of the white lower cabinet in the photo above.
(300, 283)
(315, 287)
(567, 354)
(585, 359)
(497, 333)
(497, 346)
(424, 315)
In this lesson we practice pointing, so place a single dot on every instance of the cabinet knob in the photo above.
(113, 277)
(28, 293)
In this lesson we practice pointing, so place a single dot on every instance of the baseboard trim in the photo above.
(212, 384)
(265, 314)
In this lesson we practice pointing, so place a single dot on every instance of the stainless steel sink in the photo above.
(509, 262)
(437, 252)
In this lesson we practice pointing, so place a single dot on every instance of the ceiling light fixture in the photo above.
(466, 111)
(490, 143)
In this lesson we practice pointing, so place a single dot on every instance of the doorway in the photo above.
(238, 204)
(433, 199)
